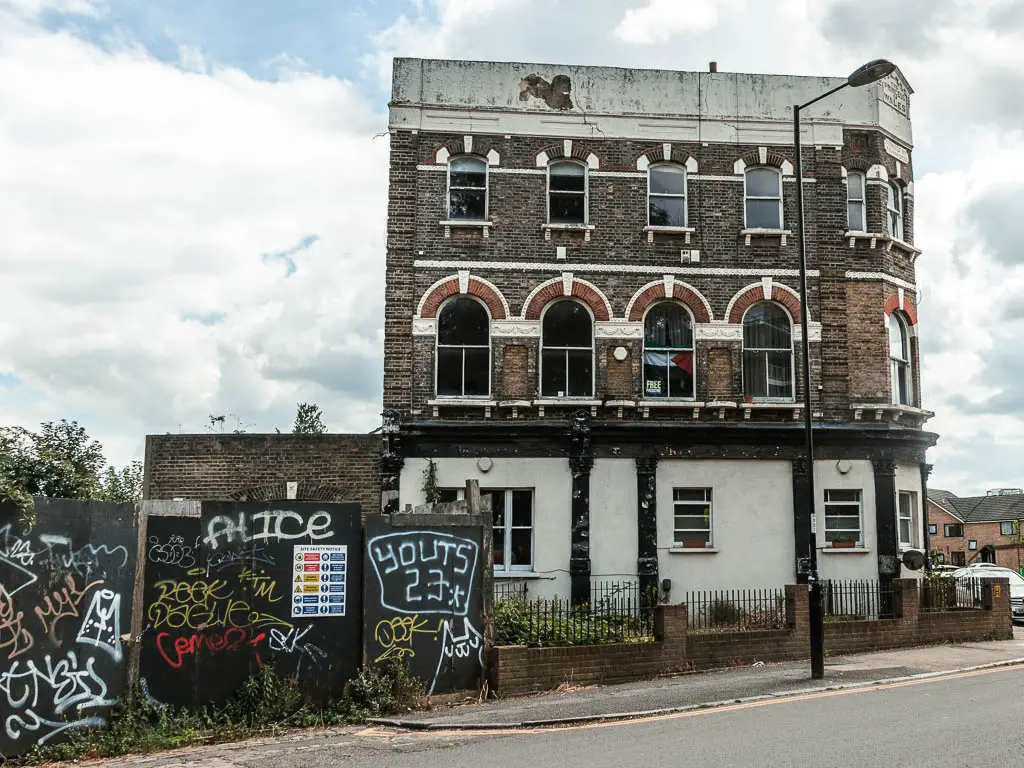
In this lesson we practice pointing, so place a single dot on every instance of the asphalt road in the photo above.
(971, 719)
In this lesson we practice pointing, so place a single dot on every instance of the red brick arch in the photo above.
(772, 158)
(681, 293)
(450, 287)
(892, 304)
(556, 290)
(755, 293)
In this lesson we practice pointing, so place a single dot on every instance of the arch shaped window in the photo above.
(567, 193)
(767, 353)
(668, 351)
(463, 349)
(567, 351)
(855, 207)
(763, 198)
(894, 205)
(467, 189)
(899, 360)
(666, 195)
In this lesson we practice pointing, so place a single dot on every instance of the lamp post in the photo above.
(869, 73)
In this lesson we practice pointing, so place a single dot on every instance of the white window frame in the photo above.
(896, 364)
(507, 568)
(586, 193)
(487, 186)
(972, 544)
(857, 505)
(792, 357)
(894, 211)
(862, 225)
(438, 345)
(910, 519)
(673, 168)
(747, 196)
(692, 349)
(543, 347)
(708, 501)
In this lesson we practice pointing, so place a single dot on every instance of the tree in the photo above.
(431, 490)
(308, 420)
(124, 486)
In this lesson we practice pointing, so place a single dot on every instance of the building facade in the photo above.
(977, 529)
(592, 307)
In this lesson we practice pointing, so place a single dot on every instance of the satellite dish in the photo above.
(913, 559)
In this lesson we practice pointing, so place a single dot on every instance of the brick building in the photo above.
(592, 307)
(977, 529)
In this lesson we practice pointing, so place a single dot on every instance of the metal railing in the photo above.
(858, 599)
(736, 610)
(949, 594)
(615, 614)
(507, 591)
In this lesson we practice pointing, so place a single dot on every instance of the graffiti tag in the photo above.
(275, 525)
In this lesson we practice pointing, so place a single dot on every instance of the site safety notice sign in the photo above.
(318, 580)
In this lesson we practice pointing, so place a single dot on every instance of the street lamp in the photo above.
(869, 73)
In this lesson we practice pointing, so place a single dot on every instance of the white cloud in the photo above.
(661, 20)
(140, 196)
(34, 8)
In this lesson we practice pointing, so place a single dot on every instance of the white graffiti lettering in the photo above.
(276, 525)
(458, 647)
(101, 626)
(14, 548)
(89, 560)
(174, 551)
(424, 571)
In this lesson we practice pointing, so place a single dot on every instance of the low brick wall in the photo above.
(517, 669)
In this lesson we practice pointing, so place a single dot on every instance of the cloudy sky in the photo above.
(194, 193)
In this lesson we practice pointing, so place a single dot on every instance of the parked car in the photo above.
(990, 571)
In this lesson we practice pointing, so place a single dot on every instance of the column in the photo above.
(391, 463)
(926, 470)
(581, 461)
(647, 527)
(802, 511)
(885, 522)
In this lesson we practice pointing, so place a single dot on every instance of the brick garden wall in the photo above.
(249, 467)
(525, 670)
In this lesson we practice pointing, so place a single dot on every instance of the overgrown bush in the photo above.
(384, 690)
(543, 623)
(724, 613)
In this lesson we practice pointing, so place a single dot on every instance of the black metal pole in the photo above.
(815, 612)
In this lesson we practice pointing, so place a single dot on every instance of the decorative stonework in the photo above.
(555, 288)
(617, 329)
(462, 283)
(668, 287)
(516, 328)
(627, 269)
(753, 293)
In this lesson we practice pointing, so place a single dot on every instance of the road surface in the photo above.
(966, 719)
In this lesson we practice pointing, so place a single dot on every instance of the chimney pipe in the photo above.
(713, 66)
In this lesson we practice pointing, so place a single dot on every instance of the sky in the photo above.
(195, 193)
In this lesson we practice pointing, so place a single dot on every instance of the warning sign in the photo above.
(319, 573)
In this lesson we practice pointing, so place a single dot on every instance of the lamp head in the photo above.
(871, 72)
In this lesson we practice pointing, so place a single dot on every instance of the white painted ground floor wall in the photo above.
(752, 518)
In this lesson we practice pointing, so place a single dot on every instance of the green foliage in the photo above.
(545, 623)
(122, 487)
(724, 612)
(308, 420)
(265, 703)
(431, 491)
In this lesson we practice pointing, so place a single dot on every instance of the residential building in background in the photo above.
(977, 529)
(592, 307)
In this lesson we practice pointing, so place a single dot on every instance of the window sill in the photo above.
(892, 242)
(462, 402)
(874, 237)
(750, 232)
(844, 550)
(517, 575)
(568, 402)
(653, 230)
(692, 550)
(484, 225)
(586, 229)
(894, 410)
(681, 404)
(762, 405)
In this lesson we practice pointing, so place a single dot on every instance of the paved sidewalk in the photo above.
(718, 686)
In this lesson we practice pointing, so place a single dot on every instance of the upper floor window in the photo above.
(763, 190)
(855, 207)
(767, 353)
(894, 206)
(467, 189)
(668, 351)
(567, 193)
(567, 351)
(899, 360)
(463, 349)
(666, 196)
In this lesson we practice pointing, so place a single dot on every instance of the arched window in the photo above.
(899, 360)
(567, 354)
(567, 193)
(763, 190)
(463, 349)
(855, 208)
(666, 195)
(895, 208)
(767, 353)
(668, 351)
(467, 189)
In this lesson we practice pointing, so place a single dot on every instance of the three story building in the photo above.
(592, 307)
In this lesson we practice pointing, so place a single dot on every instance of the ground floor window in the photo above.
(959, 558)
(842, 518)
(692, 510)
(972, 544)
(907, 514)
(512, 509)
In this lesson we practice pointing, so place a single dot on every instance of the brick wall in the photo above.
(1009, 552)
(525, 670)
(329, 467)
